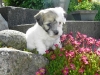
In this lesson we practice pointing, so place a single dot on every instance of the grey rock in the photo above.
(3, 23)
(16, 62)
(13, 38)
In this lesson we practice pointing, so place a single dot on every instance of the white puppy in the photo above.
(47, 30)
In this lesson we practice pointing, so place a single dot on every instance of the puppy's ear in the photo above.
(39, 18)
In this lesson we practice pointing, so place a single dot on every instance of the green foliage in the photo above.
(13, 2)
(97, 7)
(84, 5)
(57, 62)
(36, 4)
(71, 5)
(33, 4)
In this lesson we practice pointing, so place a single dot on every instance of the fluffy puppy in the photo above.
(47, 30)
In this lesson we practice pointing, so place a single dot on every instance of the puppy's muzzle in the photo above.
(56, 32)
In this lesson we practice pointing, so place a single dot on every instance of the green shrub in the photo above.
(84, 5)
(36, 4)
(97, 7)
(33, 4)
(74, 5)
(71, 5)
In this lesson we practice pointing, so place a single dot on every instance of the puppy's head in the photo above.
(51, 20)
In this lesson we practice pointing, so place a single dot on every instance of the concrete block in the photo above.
(17, 15)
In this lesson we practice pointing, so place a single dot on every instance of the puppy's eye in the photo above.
(49, 24)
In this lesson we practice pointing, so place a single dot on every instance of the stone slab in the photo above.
(17, 15)
(91, 28)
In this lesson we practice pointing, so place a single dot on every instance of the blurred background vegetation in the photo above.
(41, 4)
(33, 4)
(85, 6)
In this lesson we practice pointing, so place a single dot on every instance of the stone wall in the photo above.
(17, 15)
(91, 28)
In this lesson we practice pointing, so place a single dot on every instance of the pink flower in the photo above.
(70, 54)
(65, 71)
(97, 52)
(85, 60)
(38, 73)
(71, 38)
(78, 35)
(72, 66)
(76, 43)
(56, 45)
(66, 54)
(63, 37)
(84, 36)
(90, 41)
(81, 50)
(42, 70)
(98, 43)
(97, 74)
(62, 49)
(81, 70)
(87, 50)
(47, 51)
(60, 55)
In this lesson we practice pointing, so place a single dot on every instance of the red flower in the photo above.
(53, 56)
(81, 70)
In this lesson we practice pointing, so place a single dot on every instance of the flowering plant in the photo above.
(78, 56)
(84, 5)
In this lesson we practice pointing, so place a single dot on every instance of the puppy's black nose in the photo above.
(56, 32)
